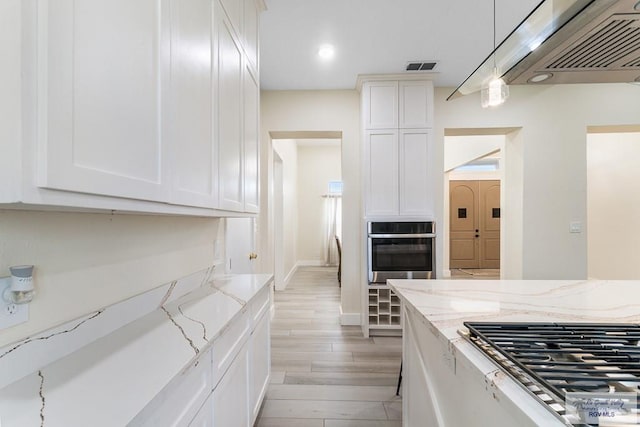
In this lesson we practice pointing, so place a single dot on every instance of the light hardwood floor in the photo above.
(324, 374)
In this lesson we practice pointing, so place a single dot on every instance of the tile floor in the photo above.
(324, 374)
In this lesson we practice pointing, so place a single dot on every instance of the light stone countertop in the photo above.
(110, 379)
(443, 306)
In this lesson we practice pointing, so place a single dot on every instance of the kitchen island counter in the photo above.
(450, 382)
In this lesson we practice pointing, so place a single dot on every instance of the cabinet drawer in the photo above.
(261, 303)
(230, 341)
(181, 399)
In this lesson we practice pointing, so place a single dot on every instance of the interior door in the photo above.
(474, 219)
(464, 247)
(489, 224)
(240, 245)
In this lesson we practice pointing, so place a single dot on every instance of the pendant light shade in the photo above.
(494, 93)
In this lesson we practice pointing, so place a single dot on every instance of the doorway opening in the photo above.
(307, 197)
(613, 206)
(475, 191)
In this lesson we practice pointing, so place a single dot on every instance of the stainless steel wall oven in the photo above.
(401, 250)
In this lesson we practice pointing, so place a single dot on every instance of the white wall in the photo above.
(552, 147)
(331, 111)
(460, 150)
(317, 165)
(85, 262)
(288, 152)
(613, 205)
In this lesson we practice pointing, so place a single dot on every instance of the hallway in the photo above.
(324, 374)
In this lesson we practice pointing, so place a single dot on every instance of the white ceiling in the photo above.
(378, 36)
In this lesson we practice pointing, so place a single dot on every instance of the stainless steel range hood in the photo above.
(567, 41)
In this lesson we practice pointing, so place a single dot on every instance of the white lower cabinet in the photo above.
(231, 395)
(227, 384)
(259, 364)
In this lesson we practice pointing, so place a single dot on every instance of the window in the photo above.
(335, 188)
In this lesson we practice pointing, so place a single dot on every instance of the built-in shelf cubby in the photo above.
(384, 308)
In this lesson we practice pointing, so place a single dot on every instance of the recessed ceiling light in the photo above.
(326, 51)
(539, 78)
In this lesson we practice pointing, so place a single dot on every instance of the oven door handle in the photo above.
(402, 236)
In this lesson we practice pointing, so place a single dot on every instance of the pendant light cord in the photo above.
(495, 68)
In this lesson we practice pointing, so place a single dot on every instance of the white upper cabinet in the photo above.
(415, 105)
(414, 191)
(230, 109)
(380, 105)
(381, 169)
(251, 31)
(397, 117)
(192, 150)
(251, 141)
(103, 69)
(134, 106)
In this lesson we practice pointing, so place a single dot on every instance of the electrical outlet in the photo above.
(11, 314)
(575, 227)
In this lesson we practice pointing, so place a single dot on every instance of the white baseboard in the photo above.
(287, 278)
(349, 319)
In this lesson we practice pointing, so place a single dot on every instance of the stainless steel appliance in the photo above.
(401, 250)
(553, 361)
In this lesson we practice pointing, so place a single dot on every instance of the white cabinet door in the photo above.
(231, 396)
(240, 238)
(230, 106)
(103, 73)
(380, 105)
(416, 104)
(259, 363)
(251, 31)
(251, 141)
(192, 149)
(381, 168)
(414, 190)
(204, 417)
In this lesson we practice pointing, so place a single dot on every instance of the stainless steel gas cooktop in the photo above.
(555, 360)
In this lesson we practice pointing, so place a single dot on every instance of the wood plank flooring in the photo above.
(324, 374)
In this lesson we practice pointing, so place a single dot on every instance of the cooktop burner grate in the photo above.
(552, 359)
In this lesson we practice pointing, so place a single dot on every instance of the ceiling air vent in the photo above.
(421, 66)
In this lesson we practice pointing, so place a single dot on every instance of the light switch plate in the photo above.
(575, 227)
(11, 314)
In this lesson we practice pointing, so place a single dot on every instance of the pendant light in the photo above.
(495, 91)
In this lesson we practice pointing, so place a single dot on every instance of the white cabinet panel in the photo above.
(414, 187)
(380, 106)
(193, 154)
(260, 363)
(231, 396)
(234, 9)
(204, 417)
(103, 74)
(229, 117)
(251, 141)
(381, 151)
(416, 101)
(251, 31)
